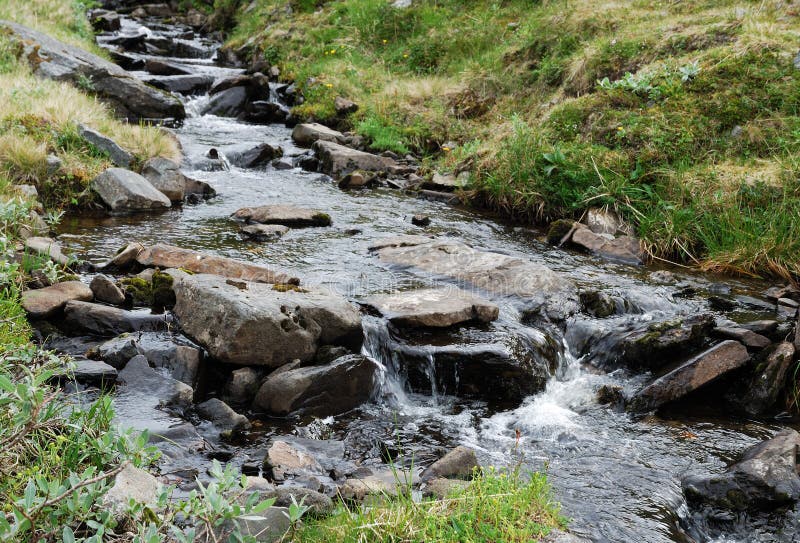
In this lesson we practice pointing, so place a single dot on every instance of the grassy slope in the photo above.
(698, 147)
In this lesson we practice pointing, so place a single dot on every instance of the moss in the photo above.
(163, 293)
(287, 287)
(322, 219)
(558, 230)
(157, 292)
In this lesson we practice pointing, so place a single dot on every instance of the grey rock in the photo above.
(241, 386)
(227, 103)
(131, 483)
(28, 192)
(130, 97)
(744, 336)
(270, 526)
(623, 249)
(319, 504)
(119, 156)
(47, 247)
(263, 232)
(343, 106)
(420, 220)
(254, 157)
(291, 456)
(460, 463)
(166, 177)
(159, 67)
(287, 215)
(139, 376)
(222, 416)
(433, 307)
(441, 488)
(104, 21)
(94, 372)
(182, 361)
(182, 84)
(332, 389)
(605, 221)
(306, 134)
(254, 324)
(107, 321)
(48, 301)
(690, 376)
(126, 191)
(196, 190)
(105, 290)
(337, 160)
(444, 182)
(768, 381)
(116, 352)
(536, 288)
(54, 164)
(765, 478)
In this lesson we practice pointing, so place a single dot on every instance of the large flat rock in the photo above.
(308, 133)
(537, 288)
(433, 307)
(256, 324)
(168, 256)
(287, 215)
(338, 160)
(126, 191)
(129, 96)
(690, 376)
(46, 302)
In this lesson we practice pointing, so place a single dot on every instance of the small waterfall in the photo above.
(391, 384)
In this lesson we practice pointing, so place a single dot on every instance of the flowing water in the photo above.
(618, 477)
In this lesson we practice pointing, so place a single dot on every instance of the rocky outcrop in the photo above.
(46, 302)
(253, 324)
(321, 391)
(337, 160)
(125, 191)
(690, 376)
(765, 478)
(537, 289)
(305, 134)
(130, 97)
(434, 307)
(287, 215)
(168, 256)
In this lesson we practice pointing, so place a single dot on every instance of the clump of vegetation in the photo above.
(681, 117)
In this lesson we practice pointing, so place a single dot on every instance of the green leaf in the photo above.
(67, 535)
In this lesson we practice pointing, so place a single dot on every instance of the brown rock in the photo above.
(624, 248)
(286, 215)
(460, 463)
(45, 302)
(433, 307)
(748, 338)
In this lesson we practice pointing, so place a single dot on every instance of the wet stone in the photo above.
(433, 307)
(46, 302)
(105, 290)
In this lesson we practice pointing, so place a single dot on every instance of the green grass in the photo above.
(682, 116)
(496, 506)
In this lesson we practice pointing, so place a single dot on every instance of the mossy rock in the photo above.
(558, 230)
(157, 292)
(598, 304)
(287, 287)
(322, 219)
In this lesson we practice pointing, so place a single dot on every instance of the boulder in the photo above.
(126, 191)
(182, 361)
(319, 504)
(103, 20)
(129, 97)
(254, 324)
(242, 386)
(768, 381)
(421, 220)
(222, 416)
(182, 84)
(625, 249)
(107, 321)
(460, 463)
(46, 302)
(47, 247)
(168, 256)
(292, 456)
(196, 190)
(605, 221)
(537, 289)
(746, 337)
(442, 488)
(93, 372)
(690, 376)
(306, 134)
(764, 479)
(116, 352)
(343, 106)
(254, 157)
(159, 67)
(445, 182)
(270, 526)
(139, 378)
(337, 160)
(105, 290)
(263, 232)
(227, 103)
(287, 215)
(321, 391)
(165, 175)
(131, 483)
(264, 112)
(119, 156)
(433, 307)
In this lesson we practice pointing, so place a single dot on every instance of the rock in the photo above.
(166, 177)
(242, 386)
(557, 536)
(105, 290)
(625, 249)
(764, 479)
(253, 324)
(168, 256)
(165, 391)
(598, 304)
(774, 294)
(107, 321)
(460, 463)
(386, 483)
(748, 338)
(284, 459)
(29, 192)
(230, 83)
(537, 288)
(420, 220)
(131, 483)
(269, 526)
(119, 156)
(130, 97)
(762, 327)
(690, 376)
(264, 112)
(254, 157)
(104, 21)
(321, 391)
(263, 232)
(768, 381)
(605, 221)
(444, 182)
(287, 215)
(196, 190)
(307, 133)
(337, 160)
(441, 488)
(560, 231)
(46, 302)
(343, 106)
(159, 67)
(610, 395)
(94, 372)
(182, 84)
(116, 352)
(319, 504)
(433, 307)
(126, 191)
(281, 164)
(227, 103)
(182, 361)
(222, 416)
(47, 247)
(356, 180)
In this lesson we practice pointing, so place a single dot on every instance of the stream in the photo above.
(617, 476)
